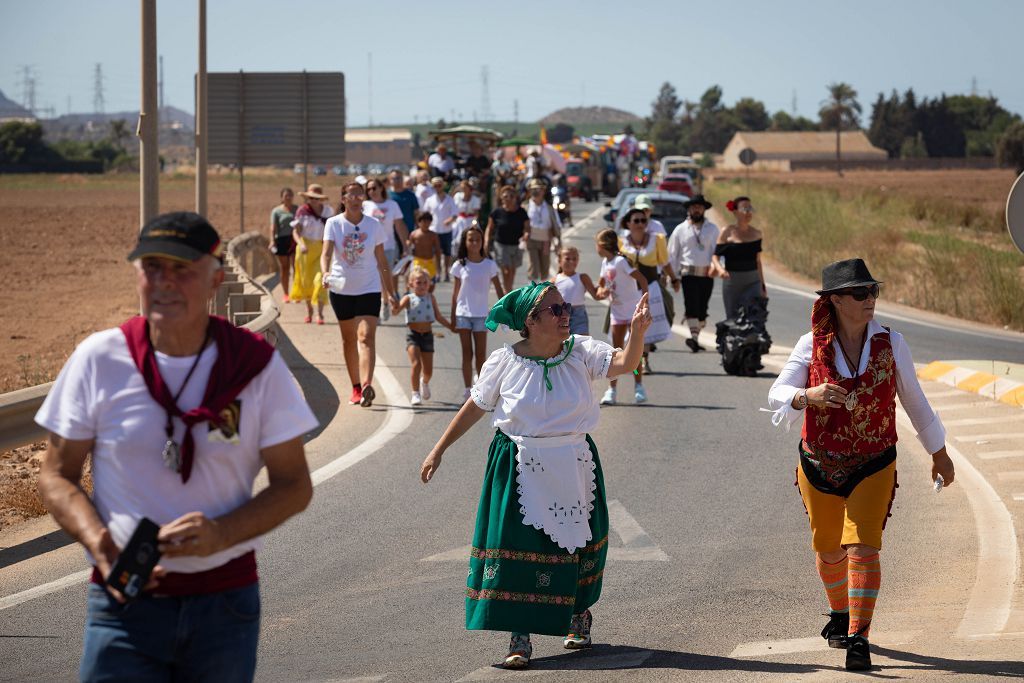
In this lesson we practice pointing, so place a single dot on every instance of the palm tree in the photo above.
(841, 110)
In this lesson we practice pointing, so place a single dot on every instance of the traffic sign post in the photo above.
(747, 158)
(1015, 213)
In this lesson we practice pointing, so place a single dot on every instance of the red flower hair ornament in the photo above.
(730, 205)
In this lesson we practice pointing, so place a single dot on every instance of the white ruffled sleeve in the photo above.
(930, 431)
(597, 356)
(487, 389)
(792, 379)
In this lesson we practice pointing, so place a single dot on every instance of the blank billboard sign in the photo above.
(260, 118)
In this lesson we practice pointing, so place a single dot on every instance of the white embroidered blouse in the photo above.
(513, 387)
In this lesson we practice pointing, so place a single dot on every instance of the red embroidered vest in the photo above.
(871, 426)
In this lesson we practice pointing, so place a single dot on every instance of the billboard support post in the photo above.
(241, 152)
(147, 129)
(201, 139)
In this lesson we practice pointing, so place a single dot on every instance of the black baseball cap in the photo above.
(182, 235)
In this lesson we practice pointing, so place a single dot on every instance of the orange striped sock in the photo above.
(833, 576)
(865, 579)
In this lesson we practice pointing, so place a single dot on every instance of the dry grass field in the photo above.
(937, 238)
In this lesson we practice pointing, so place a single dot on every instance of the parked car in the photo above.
(298, 169)
(319, 170)
(338, 170)
(376, 169)
(669, 207)
(677, 182)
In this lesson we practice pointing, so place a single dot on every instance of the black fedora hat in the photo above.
(697, 199)
(852, 272)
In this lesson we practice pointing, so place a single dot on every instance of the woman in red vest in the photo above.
(843, 377)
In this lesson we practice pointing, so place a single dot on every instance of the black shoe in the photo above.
(858, 654)
(692, 343)
(836, 629)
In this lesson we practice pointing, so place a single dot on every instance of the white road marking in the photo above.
(814, 644)
(970, 421)
(990, 437)
(637, 546)
(945, 393)
(1018, 496)
(45, 589)
(999, 455)
(980, 404)
(396, 421)
(580, 662)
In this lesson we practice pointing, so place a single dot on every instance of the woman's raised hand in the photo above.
(641, 316)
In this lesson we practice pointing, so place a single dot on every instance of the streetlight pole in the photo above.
(148, 126)
(201, 130)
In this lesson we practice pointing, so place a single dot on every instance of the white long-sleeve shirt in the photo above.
(684, 249)
(793, 378)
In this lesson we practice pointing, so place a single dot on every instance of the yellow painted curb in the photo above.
(976, 381)
(1014, 397)
(935, 370)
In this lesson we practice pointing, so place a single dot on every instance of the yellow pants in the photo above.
(307, 285)
(427, 264)
(838, 522)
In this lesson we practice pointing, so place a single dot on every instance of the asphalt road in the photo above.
(711, 575)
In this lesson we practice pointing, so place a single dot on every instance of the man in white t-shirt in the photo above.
(442, 207)
(439, 162)
(179, 411)
(423, 189)
(545, 226)
(690, 248)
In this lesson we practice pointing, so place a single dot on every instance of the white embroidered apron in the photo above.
(556, 483)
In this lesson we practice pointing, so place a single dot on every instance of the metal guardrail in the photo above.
(243, 298)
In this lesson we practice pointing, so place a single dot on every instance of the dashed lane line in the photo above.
(990, 437)
(397, 420)
(972, 421)
(1000, 455)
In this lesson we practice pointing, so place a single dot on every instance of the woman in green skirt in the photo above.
(541, 535)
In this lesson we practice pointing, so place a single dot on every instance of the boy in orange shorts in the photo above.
(425, 247)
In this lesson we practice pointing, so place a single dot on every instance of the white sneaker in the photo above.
(466, 394)
(609, 397)
(425, 389)
(641, 394)
(415, 400)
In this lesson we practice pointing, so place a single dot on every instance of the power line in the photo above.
(28, 88)
(97, 90)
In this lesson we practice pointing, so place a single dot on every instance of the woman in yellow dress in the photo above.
(308, 232)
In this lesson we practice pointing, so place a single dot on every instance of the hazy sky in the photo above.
(427, 56)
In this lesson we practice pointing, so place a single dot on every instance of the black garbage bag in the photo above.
(743, 341)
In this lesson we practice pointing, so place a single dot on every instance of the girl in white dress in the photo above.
(623, 284)
(574, 287)
(541, 537)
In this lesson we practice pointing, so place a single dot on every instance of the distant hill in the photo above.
(588, 115)
(9, 109)
(168, 116)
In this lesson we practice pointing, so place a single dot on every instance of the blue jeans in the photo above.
(198, 638)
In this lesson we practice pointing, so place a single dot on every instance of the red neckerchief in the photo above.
(241, 355)
(823, 355)
(307, 210)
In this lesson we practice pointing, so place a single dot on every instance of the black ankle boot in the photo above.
(836, 629)
(858, 653)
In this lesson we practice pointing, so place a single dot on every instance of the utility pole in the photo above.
(485, 94)
(97, 89)
(515, 111)
(201, 141)
(794, 103)
(161, 82)
(149, 119)
(369, 85)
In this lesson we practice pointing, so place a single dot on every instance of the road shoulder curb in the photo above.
(985, 384)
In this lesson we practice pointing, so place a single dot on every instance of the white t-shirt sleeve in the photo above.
(284, 413)
(68, 410)
(474, 203)
(332, 227)
(492, 269)
(624, 267)
(597, 356)
(394, 211)
(458, 270)
(379, 236)
(487, 389)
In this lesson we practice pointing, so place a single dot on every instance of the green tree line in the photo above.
(945, 126)
(22, 143)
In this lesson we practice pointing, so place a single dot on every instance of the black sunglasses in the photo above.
(558, 310)
(640, 221)
(861, 293)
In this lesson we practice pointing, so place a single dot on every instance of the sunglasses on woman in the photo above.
(861, 293)
(558, 310)
(638, 221)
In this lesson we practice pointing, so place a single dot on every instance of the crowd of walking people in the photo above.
(540, 542)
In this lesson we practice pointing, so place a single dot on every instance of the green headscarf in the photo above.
(513, 308)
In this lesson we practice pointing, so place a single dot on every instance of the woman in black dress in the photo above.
(740, 246)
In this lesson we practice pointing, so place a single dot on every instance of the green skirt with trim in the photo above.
(519, 579)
